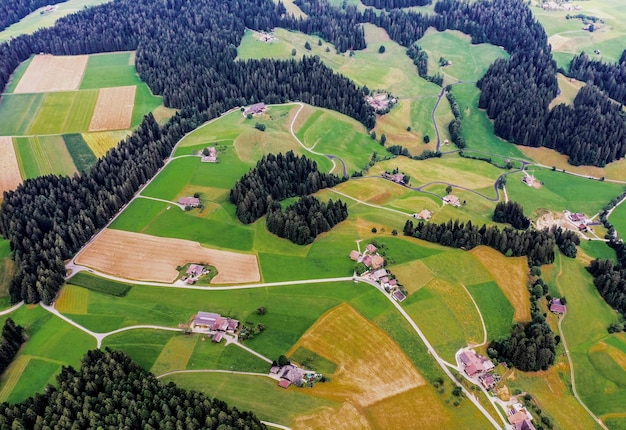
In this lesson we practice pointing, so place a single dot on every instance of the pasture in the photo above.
(151, 258)
(561, 191)
(43, 354)
(494, 307)
(110, 70)
(10, 176)
(17, 112)
(83, 158)
(468, 62)
(618, 219)
(101, 285)
(43, 155)
(64, 112)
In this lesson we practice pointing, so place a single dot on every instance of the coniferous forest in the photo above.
(395, 4)
(512, 213)
(11, 339)
(111, 391)
(610, 78)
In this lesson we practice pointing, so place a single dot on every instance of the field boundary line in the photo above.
(482, 321)
(15, 371)
(234, 372)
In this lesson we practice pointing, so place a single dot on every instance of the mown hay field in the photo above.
(43, 155)
(10, 176)
(72, 300)
(101, 142)
(150, 258)
(64, 112)
(47, 73)
(114, 109)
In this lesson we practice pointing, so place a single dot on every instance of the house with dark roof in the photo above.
(487, 381)
(520, 419)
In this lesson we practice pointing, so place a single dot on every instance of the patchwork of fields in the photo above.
(52, 100)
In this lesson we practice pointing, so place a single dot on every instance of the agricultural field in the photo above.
(45, 108)
(568, 38)
(618, 219)
(10, 176)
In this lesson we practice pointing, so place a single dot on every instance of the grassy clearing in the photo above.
(109, 70)
(568, 89)
(83, 158)
(100, 285)
(597, 249)
(146, 102)
(64, 112)
(256, 393)
(17, 112)
(561, 191)
(101, 142)
(468, 62)
(477, 127)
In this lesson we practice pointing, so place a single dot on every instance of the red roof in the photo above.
(284, 383)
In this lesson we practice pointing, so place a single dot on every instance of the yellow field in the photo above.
(413, 275)
(511, 274)
(373, 190)
(347, 417)
(114, 109)
(151, 258)
(47, 73)
(175, 354)
(10, 176)
(550, 157)
(569, 89)
(101, 142)
(12, 376)
(72, 300)
(370, 366)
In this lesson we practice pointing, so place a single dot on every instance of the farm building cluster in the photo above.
(477, 366)
(530, 180)
(213, 324)
(376, 272)
(370, 257)
(398, 178)
(381, 101)
(579, 219)
(255, 109)
(291, 374)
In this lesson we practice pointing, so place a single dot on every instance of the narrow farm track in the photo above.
(482, 321)
(12, 308)
(234, 372)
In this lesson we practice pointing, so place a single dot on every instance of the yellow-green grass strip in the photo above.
(12, 376)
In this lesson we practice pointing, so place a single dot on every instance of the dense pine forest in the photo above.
(11, 339)
(537, 245)
(610, 78)
(11, 11)
(111, 391)
(277, 177)
(511, 213)
(395, 4)
(304, 220)
(610, 280)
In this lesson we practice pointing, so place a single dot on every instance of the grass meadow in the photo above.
(110, 70)
(43, 155)
(17, 113)
(494, 307)
(43, 354)
(64, 112)
(83, 157)
(618, 219)
(561, 191)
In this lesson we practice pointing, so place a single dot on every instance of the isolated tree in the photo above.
(293, 52)
(426, 138)
(307, 45)
(383, 139)
(381, 50)
(448, 189)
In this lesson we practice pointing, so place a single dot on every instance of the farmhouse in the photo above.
(399, 295)
(193, 202)
(487, 381)
(557, 307)
(371, 248)
(451, 200)
(195, 270)
(520, 419)
(255, 109)
(474, 364)
(356, 256)
(398, 178)
(425, 214)
(577, 218)
(209, 155)
(212, 322)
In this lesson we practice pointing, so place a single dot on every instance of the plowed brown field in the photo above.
(10, 176)
(51, 73)
(151, 258)
(114, 109)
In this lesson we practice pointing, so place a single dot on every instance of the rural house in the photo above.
(487, 381)
(520, 419)
(255, 109)
(474, 364)
(193, 202)
(355, 256)
(425, 214)
(195, 270)
(398, 178)
(371, 249)
(452, 200)
(210, 155)
(212, 322)
(557, 307)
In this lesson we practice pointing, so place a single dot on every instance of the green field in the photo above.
(494, 307)
(618, 219)
(109, 70)
(17, 112)
(469, 62)
(65, 112)
(597, 249)
(43, 155)
(561, 191)
(101, 285)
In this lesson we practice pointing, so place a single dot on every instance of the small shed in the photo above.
(371, 248)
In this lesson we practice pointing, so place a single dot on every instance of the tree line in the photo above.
(186, 52)
(11, 11)
(109, 390)
(537, 245)
(512, 213)
(305, 219)
(277, 177)
(610, 78)
(609, 278)
(395, 4)
(11, 339)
